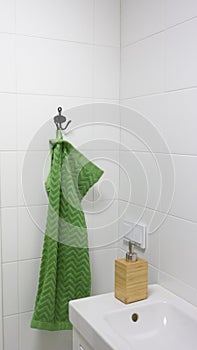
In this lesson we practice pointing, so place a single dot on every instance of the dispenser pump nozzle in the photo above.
(131, 255)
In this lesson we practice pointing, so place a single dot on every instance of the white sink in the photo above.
(163, 321)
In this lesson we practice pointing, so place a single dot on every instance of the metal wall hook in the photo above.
(60, 119)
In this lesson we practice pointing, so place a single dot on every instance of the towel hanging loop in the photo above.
(60, 119)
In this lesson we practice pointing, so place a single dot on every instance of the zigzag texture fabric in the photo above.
(65, 267)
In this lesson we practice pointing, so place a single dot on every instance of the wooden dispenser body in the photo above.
(131, 280)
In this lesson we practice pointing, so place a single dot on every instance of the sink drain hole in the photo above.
(134, 317)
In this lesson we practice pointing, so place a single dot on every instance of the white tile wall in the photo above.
(150, 177)
(35, 113)
(183, 239)
(178, 11)
(103, 260)
(105, 223)
(165, 88)
(63, 53)
(9, 193)
(140, 19)
(180, 56)
(108, 161)
(8, 111)
(170, 113)
(7, 16)
(139, 63)
(9, 222)
(178, 287)
(10, 288)
(28, 273)
(11, 338)
(106, 125)
(31, 339)
(31, 222)
(185, 196)
(7, 63)
(31, 184)
(58, 20)
(106, 72)
(54, 67)
(107, 22)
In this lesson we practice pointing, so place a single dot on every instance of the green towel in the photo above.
(65, 268)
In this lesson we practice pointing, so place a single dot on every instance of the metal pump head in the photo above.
(131, 255)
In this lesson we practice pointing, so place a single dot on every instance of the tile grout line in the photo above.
(100, 98)
(158, 32)
(66, 41)
(159, 93)
(193, 155)
(120, 77)
(161, 212)
(17, 174)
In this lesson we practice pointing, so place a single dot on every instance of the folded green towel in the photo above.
(65, 268)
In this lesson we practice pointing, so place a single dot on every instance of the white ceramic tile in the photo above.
(139, 64)
(140, 124)
(10, 330)
(106, 72)
(171, 114)
(10, 289)
(185, 196)
(68, 20)
(180, 125)
(80, 130)
(151, 220)
(7, 16)
(108, 185)
(8, 179)
(31, 228)
(147, 179)
(31, 339)
(140, 18)
(35, 120)
(181, 56)
(178, 257)
(134, 186)
(33, 169)
(103, 260)
(136, 133)
(28, 280)
(96, 126)
(107, 22)
(105, 223)
(178, 287)
(54, 67)
(9, 234)
(106, 126)
(153, 275)
(7, 63)
(8, 122)
(179, 11)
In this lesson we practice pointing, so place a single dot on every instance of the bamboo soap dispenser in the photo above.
(131, 277)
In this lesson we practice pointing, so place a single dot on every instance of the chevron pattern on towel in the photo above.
(65, 268)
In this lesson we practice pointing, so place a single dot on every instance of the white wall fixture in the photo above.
(136, 233)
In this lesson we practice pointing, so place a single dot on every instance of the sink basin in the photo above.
(155, 326)
(163, 321)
